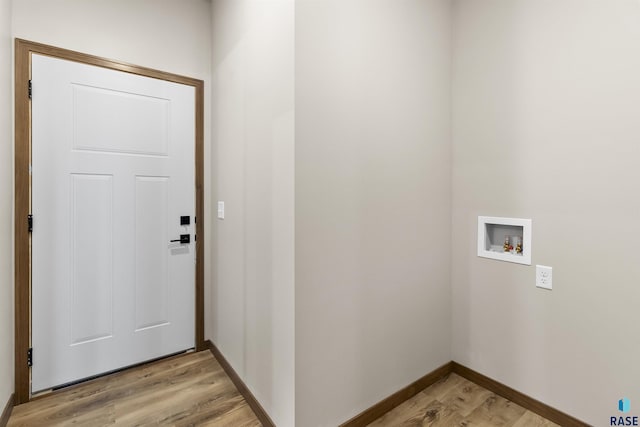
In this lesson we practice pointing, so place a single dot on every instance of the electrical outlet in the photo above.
(544, 276)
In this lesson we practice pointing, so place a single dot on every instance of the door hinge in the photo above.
(30, 357)
(30, 89)
(30, 223)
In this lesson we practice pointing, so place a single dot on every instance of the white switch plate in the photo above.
(544, 276)
(220, 210)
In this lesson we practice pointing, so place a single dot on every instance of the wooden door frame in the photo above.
(23, 52)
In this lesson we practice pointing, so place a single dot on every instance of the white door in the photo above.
(112, 173)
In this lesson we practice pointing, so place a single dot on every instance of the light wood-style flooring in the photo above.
(194, 390)
(188, 390)
(456, 402)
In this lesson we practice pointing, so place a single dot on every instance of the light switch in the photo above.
(544, 276)
(220, 210)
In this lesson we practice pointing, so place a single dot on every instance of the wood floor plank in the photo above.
(407, 413)
(465, 396)
(496, 411)
(234, 414)
(438, 390)
(237, 418)
(442, 415)
(183, 391)
(428, 400)
(529, 419)
(457, 402)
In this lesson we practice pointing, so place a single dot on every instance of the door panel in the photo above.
(151, 252)
(142, 121)
(113, 171)
(91, 225)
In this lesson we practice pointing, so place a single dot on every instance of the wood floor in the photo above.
(454, 401)
(194, 390)
(189, 390)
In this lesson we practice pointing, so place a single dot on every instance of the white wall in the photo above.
(168, 35)
(546, 124)
(6, 205)
(545, 96)
(372, 201)
(253, 119)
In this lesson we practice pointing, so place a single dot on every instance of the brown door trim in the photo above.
(23, 51)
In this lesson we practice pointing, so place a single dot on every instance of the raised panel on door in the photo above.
(142, 121)
(91, 290)
(152, 281)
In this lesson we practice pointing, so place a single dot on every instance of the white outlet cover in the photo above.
(544, 277)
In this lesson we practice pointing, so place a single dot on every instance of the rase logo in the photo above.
(624, 406)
